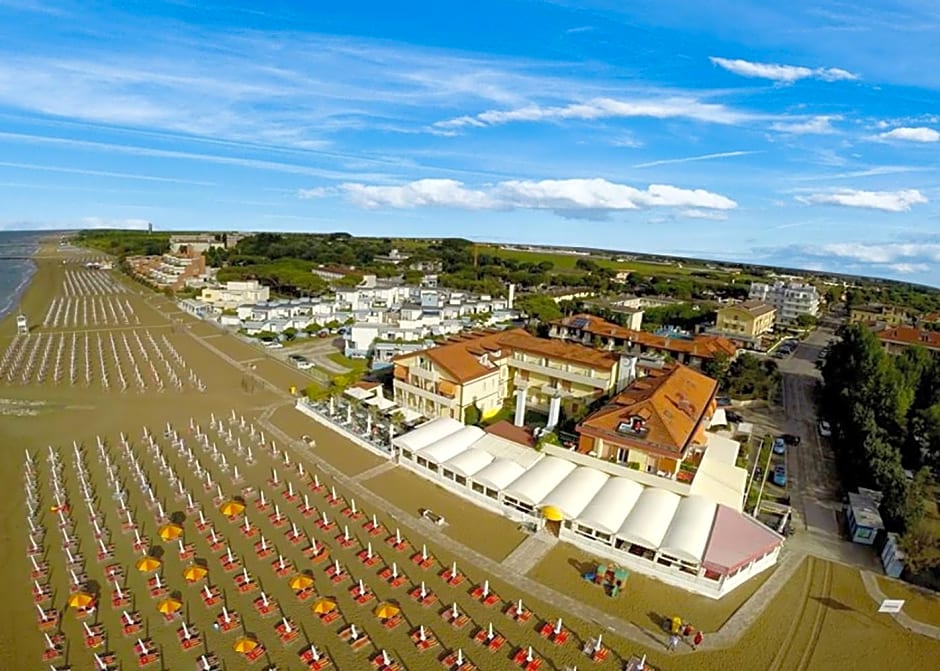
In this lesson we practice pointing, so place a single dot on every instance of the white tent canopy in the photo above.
(469, 462)
(610, 506)
(427, 433)
(575, 492)
(690, 528)
(536, 483)
(499, 474)
(452, 445)
(649, 520)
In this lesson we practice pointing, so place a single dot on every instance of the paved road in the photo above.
(812, 478)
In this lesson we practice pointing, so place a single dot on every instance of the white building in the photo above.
(791, 299)
(694, 538)
(233, 294)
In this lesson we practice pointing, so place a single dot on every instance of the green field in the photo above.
(566, 262)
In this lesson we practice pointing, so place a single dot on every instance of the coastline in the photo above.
(24, 287)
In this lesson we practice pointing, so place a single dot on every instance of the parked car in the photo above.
(779, 446)
(273, 344)
(825, 430)
(790, 439)
(780, 476)
(732, 416)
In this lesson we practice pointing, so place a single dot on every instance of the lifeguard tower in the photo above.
(22, 325)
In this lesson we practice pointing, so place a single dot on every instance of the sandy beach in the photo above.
(121, 359)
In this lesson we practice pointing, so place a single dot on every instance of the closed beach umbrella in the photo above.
(387, 610)
(232, 507)
(244, 644)
(148, 564)
(168, 606)
(323, 606)
(81, 600)
(170, 532)
(194, 573)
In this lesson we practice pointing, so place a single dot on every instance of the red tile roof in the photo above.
(509, 431)
(908, 335)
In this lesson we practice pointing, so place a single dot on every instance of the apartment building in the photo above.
(232, 294)
(655, 424)
(879, 313)
(589, 329)
(169, 271)
(896, 339)
(194, 244)
(790, 299)
(486, 368)
(745, 322)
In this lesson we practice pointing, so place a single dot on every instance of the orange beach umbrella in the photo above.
(194, 573)
(301, 581)
(147, 564)
(170, 532)
(232, 507)
(168, 606)
(81, 600)
(323, 606)
(244, 644)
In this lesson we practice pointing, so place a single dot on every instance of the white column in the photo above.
(554, 412)
(520, 407)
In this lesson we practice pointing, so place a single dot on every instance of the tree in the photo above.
(922, 546)
(806, 321)
(539, 307)
(472, 415)
(717, 367)
(290, 333)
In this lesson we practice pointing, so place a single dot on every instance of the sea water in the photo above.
(15, 273)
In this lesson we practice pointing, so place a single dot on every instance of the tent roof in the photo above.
(610, 506)
(452, 445)
(649, 520)
(737, 539)
(498, 474)
(576, 491)
(690, 528)
(427, 433)
(536, 483)
(469, 462)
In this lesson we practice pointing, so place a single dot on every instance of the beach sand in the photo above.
(818, 622)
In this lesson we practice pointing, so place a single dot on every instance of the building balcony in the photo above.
(560, 371)
(437, 394)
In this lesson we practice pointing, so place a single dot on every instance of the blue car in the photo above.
(779, 446)
(780, 476)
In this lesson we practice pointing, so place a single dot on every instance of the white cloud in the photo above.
(910, 255)
(886, 201)
(675, 107)
(99, 222)
(909, 268)
(818, 125)
(921, 134)
(570, 197)
(703, 214)
(781, 73)
(689, 159)
(315, 192)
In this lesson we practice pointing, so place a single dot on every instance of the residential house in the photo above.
(898, 338)
(791, 299)
(655, 424)
(879, 313)
(394, 257)
(169, 271)
(592, 330)
(745, 322)
(233, 294)
(334, 273)
(486, 368)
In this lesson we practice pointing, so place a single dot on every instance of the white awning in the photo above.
(576, 491)
(427, 433)
(380, 402)
(536, 483)
(719, 418)
(469, 462)
(690, 528)
(610, 506)
(649, 520)
(359, 393)
(452, 445)
(498, 474)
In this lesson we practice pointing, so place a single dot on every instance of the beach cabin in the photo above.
(864, 520)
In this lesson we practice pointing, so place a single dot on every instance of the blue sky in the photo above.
(806, 135)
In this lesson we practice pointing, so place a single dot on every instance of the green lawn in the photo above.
(357, 366)
(566, 262)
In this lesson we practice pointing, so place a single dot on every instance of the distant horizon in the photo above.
(803, 135)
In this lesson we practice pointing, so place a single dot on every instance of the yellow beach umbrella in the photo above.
(323, 606)
(168, 606)
(170, 532)
(147, 564)
(386, 610)
(81, 600)
(232, 507)
(244, 644)
(301, 581)
(195, 573)
(552, 514)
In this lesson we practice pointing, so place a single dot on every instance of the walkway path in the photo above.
(530, 552)
(902, 618)
(370, 473)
